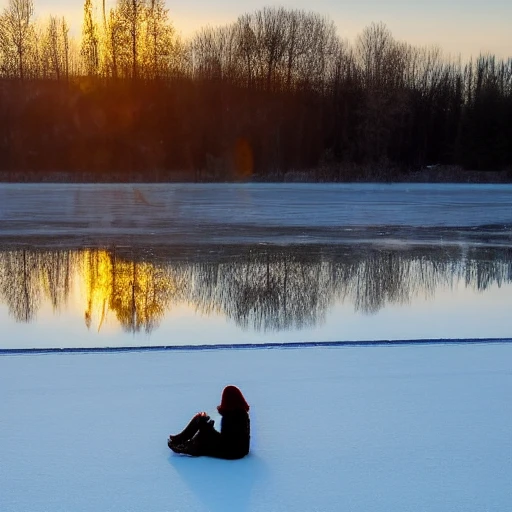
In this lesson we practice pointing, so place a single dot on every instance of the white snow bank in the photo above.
(423, 428)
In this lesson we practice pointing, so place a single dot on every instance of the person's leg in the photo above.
(190, 430)
(203, 442)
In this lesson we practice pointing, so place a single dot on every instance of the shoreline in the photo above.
(332, 174)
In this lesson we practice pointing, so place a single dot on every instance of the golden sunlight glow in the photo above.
(136, 292)
(97, 279)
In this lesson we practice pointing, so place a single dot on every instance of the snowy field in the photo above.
(359, 429)
(253, 213)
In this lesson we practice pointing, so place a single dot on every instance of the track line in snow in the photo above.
(255, 346)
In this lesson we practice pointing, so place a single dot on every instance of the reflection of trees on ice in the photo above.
(258, 288)
(26, 277)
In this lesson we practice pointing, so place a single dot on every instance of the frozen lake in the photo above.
(254, 213)
(130, 265)
(362, 428)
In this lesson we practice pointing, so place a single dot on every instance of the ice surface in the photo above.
(234, 213)
(376, 429)
(368, 261)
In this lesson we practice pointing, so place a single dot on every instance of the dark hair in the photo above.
(232, 400)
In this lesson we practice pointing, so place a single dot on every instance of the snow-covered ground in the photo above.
(360, 429)
(235, 213)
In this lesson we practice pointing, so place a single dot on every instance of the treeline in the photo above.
(274, 92)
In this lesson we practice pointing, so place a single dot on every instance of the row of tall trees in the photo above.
(33, 51)
(134, 40)
(276, 90)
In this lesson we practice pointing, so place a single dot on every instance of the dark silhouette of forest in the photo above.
(275, 95)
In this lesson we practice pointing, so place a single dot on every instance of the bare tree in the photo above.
(112, 45)
(65, 46)
(247, 48)
(16, 30)
(317, 50)
(158, 45)
(374, 46)
(131, 16)
(270, 29)
(90, 44)
(214, 52)
(53, 48)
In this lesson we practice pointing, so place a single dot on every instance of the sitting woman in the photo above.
(201, 438)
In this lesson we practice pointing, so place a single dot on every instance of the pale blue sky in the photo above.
(465, 27)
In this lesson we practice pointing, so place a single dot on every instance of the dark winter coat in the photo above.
(232, 442)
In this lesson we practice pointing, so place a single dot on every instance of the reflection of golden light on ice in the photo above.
(96, 280)
(137, 292)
